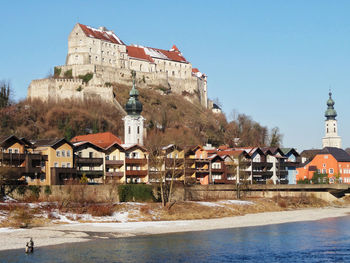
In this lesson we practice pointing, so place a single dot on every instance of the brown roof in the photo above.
(137, 52)
(103, 139)
(105, 35)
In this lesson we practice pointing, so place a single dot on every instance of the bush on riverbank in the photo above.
(135, 192)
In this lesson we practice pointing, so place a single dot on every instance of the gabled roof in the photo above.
(139, 53)
(81, 145)
(173, 54)
(103, 139)
(339, 154)
(54, 143)
(5, 140)
(102, 34)
(136, 146)
(287, 151)
(310, 154)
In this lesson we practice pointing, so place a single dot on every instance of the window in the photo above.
(63, 153)
(63, 165)
(58, 153)
(325, 157)
(107, 157)
(324, 165)
(68, 165)
(324, 171)
(91, 154)
(129, 130)
(138, 129)
(16, 151)
(10, 150)
(68, 153)
(331, 171)
(55, 164)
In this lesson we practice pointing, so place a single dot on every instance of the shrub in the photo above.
(35, 190)
(135, 192)
(100, 210)
(86, 78)
(68, 74)
(21, 190)
(47, 190)
(57, 72)
(83, 179)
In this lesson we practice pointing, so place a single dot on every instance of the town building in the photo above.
(331, 138)
(58, 168)
(330, 161)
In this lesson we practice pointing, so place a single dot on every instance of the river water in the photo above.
(326, 240)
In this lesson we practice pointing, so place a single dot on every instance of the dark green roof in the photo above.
(330, 113)
(133, 105)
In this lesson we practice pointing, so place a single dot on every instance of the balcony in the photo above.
(220, 170)
(115, 162)
(142, 161)
(114, 174)
(82, 161)
(136, 172)
(171, 162)
(91, 173)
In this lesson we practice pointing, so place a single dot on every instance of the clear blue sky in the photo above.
(272, 60)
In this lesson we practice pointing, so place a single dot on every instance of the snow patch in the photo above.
(236, 202)
(8, 199)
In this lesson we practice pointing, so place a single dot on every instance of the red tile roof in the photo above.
(195, 70)
(137, 52)
(103, 139)
(172, 55)
(101, 34)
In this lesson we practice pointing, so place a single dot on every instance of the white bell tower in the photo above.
(331, 138)
(133, 121)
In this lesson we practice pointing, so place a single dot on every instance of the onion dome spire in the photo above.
(330, 113)
(133, 106)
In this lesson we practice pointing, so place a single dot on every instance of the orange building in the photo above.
(334, 162)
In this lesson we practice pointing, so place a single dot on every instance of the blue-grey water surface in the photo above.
(326, 240)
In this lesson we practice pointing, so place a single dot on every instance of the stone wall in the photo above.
(73, 89)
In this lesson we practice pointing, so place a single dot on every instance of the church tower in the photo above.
(331, 139)
(133, 121)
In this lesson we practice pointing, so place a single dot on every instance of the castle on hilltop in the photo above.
(97, 58)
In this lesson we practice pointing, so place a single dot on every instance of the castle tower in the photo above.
(133, 121)
(331, 129)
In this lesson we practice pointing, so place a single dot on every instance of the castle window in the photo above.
(334, 129)
(140, 67)
(327, 130)
(129, 130)
(138, 129)
(173, 73)
(90, 49)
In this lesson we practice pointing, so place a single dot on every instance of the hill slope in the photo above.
(171, 118)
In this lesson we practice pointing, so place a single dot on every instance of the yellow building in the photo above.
(115, 164)
(58, 167)
(136, 163)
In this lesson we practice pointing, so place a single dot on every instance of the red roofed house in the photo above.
(103, 139)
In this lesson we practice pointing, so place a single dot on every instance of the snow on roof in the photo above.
(139, 53)
(173, 54)
(102, 34)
